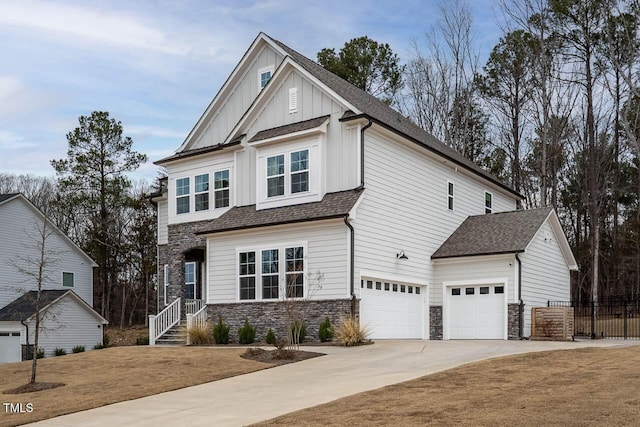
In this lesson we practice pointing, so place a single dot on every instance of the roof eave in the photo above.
(213, 149)
(272, 224)
(437, 257)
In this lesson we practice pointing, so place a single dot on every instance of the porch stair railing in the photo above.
(192, 306)
(198, 320)
(163, 321)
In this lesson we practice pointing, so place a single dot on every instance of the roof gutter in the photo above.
(365, 127)
(27, 328)
(351, 264)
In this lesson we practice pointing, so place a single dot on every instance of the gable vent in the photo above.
(293, 100)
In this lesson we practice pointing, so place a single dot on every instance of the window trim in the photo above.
(73, 279)
(242, 276)
(288, 173)
(216, 190)
(270, 274)
(283, 175)
(195, 277)
(488, 208)
(187, 195)
(451, 191)
(196, 193)
(264, 70)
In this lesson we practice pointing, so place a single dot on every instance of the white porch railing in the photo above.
(198, 320)
(192, 306)
(163, 321)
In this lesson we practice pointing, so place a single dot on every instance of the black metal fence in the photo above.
(609, 318)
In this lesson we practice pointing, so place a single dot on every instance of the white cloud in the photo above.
(154, 131)
(12, 141)
(17, 98)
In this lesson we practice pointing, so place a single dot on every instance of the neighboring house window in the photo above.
(202, 192)
(299, 171)
(189, 280)
(270, 275)
(247, 275)
(182, 195)
(264, 75)
(221, 189)
(275, 175)
(450, 195)
(166, 281)
(295, 272)
(488, 202)
(67, 279)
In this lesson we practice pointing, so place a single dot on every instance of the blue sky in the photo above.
(155, 65)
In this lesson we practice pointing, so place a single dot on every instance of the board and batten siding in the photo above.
(479, 269)
(327, 253)
(163, 216)
(19, 224)
(545, 274)
(241, 97)
(404, 207)
(65, 325)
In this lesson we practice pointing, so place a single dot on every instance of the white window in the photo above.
(270, 277)
(182, 195)
(67, 279)
(202, 192)
(189, 280)
(221, 188)
(299, 167)
(283, 265)
(488, 202)
(275, 175)
(264, 75)
(293, 100)
(247, 275)
(450, 195)
(166, 281)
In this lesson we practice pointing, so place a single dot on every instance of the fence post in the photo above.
(593, 320)
(152, 329)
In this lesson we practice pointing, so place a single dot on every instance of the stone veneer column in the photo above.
(435, 322)
(513, 316)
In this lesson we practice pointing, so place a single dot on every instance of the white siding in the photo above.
(19, 225)
(405, 207)
(238, 101)
(163, 230)
(327, 252)
(545, 275)
(65, 325)
(474, 270)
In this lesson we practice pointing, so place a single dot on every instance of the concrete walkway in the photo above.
(272, 392)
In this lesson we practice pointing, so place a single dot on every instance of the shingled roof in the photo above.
(290, 128)
(25, 306)
(5, 197)
(386, 116)
(491, 234)
(332, 205)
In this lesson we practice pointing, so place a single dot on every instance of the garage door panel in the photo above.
(476, 312)
(10, 349)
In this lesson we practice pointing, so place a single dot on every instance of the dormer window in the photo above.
(264, 75)
(300, 171)
(488, 202)
(275, 175)
(288, 178)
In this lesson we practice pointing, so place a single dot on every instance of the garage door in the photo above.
(10, 347)
(476, 312)
(391, 309)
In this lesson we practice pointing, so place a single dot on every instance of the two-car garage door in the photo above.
(392, 309)
(476, 312)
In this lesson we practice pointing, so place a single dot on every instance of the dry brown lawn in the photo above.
(101, 377)
(569, 388)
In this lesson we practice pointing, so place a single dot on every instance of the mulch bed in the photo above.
(277, 356)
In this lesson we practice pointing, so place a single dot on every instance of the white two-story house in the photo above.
(67, 318)
(296, 184)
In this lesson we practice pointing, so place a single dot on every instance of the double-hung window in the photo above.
(202, 192)
(182, 195)
(247, 275)
(189, 280)
(270, 276)
(450, 195)
(166, 281)
(275, 175)
(294, 274)
(67, 280)
(299, 171)
(488, 202)
(221, 188)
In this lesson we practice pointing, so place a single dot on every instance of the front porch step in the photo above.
(174, 336)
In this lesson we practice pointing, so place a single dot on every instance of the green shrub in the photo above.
(326, 330)
(60, 351)
(271, 337)
(302, 329)
(221, 332)
(98, 346)
(142, 340)
(350, 333)
(247, 333)
(198, 334)
(78, 349)
(40, 353)
(105, 340)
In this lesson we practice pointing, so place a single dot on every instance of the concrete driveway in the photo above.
(272, 392)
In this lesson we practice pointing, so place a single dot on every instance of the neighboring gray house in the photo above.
(295, 183)
(67, 297)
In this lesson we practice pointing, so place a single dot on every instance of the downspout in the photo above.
(365, 127)
(520, 306)
(27, 328)
(351, 266)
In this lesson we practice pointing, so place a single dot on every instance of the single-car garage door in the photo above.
(10, 347)
(476, 312)
(392, 310)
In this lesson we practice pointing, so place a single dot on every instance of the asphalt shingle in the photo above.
(25, 306)
(287, 129)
